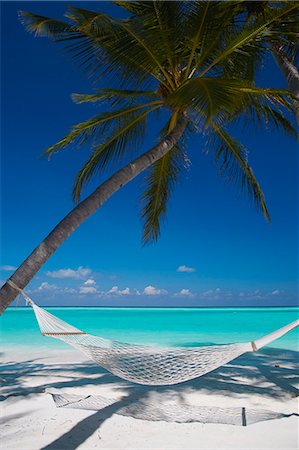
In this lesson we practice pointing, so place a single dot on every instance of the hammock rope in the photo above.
(148, 365)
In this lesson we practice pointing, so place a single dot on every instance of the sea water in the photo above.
(159, 326)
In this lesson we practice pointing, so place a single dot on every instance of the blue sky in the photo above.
(215, 248)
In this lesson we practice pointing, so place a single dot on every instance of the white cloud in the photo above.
(70, 290)
(213, 293)
(45, 286)
(275, 292)
(184, 293)
(115, 291)
(125, 291)
(257, 294)
(208, 293)
(90, 282)
(87, 290)
(152, 290)
(186, 269)
(8, 268)
(79, 273)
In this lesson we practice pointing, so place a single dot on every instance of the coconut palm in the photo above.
(186, 61)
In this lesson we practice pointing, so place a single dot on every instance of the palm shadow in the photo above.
(245, 375)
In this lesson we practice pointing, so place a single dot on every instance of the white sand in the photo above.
(31, 421)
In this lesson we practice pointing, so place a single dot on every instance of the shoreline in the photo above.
(179, 308)
(265, 380)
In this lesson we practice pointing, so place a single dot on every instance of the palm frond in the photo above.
(209, 95)
(44, 26)
(270, 113)
(233, 160)
(116, 96)
(130, 41)
(97, 127)
(125, 139)
(160, 182)
(225, 98)
(198, 38)
(101, 44)
(162, 20)
(250, 36)
(203, 32)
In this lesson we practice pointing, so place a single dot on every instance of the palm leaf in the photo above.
(97, 127)
(161, 180)
(213, 96)
(204, 33)
(46, 27)
(99, 43)
(116, 96)
(250, 34)
(232, 157)
(162, 20)
(128, 40)
(270, 114)
(125, 138)
(198, 37)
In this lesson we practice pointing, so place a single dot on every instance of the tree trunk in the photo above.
(23, 275)
(290, 72)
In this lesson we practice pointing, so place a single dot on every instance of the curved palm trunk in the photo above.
(290, 72)
(23, 275)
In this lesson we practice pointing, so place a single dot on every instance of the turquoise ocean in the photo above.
(162, 326)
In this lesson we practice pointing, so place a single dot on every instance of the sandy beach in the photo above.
(149, 198)
(31, 421)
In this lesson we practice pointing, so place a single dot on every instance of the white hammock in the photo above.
(148, 365)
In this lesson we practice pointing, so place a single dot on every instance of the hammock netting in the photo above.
(148, 365)
(157, 366)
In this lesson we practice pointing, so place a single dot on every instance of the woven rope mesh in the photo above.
(147, 364)
(167, 410)
(52, 324)
(154, 365)
(168, 366)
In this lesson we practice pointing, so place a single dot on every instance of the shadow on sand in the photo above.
(269, 373)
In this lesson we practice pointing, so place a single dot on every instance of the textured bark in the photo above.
(23, 275)
(290, 72)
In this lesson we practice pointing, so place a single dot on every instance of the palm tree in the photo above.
(188, 62)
